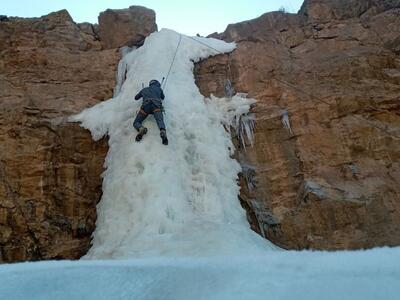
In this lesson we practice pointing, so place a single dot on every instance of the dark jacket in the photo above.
(153, 92)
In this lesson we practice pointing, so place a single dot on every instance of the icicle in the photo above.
(229, 91)
(122, 70)
(245, 129)
(121, 75)
(249, 173)
(285, 120)
(234, 112)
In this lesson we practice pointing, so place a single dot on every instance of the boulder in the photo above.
(126, 27)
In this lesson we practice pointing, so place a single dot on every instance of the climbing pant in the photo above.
(150, 107)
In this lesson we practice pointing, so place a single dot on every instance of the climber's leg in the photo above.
(141, 116)
(158, 115)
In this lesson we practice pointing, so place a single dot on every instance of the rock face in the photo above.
(50, 170)
(325, 169)
(126, 27)
(327, 10)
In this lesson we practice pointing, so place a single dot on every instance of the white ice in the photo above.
(122, 69)
(179, 200)
(285, 121)
(234, 113)
(289, 275)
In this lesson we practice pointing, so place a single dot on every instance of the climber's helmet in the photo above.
(154, 82)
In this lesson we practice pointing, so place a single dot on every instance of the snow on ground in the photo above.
(364, 275)
(179, 200)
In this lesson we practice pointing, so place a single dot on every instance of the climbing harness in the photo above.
(143, 112)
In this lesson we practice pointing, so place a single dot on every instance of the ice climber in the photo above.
(152, 104)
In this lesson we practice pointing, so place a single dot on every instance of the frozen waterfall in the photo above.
(180, 200)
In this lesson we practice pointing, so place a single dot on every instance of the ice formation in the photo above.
(286, 121)
(179, 200)
(245, 129)
(235, 114)
(122, 70)
(289, 275)
(249, 173)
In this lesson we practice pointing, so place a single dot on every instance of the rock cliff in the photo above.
(126, 27)
(50, 170)
(325, 169)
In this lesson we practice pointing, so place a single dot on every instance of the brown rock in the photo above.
(126, 27)
(90, 35)
(327, 10)
(333, 182)
(50, 170)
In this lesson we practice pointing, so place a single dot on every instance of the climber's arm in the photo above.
(139, 95)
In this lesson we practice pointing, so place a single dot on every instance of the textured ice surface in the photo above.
(364, 275)
(180, 200)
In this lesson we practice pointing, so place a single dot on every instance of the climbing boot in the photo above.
(142, 132)
(163, 136)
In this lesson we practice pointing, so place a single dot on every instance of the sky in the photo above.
(185, 16)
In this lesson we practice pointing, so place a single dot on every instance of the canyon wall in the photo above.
(50, 170)
(324, 172)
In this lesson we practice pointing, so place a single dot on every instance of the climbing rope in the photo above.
(173, 60)
(228, 87)
(299, 89)
(204, 44)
